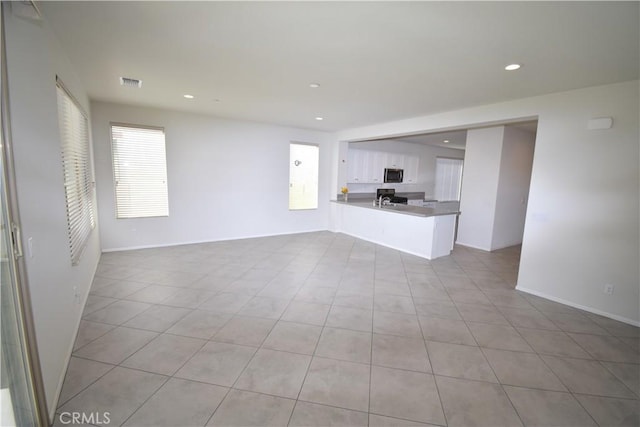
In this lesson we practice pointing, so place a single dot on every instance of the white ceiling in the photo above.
(375, 61)
(457, 139)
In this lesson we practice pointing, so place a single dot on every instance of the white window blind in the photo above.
(303, 176)
(140, 171)
(76, 165)
(448, 179)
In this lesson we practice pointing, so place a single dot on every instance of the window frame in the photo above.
(114, 175)
(77, 164)
(317, 182)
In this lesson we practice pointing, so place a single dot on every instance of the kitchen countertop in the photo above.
(402, 209)
(370, 196)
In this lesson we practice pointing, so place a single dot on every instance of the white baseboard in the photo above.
(579, 306)
(403, 250)
(52, 410)
(466, 245)
(195, 242)
(487, 249)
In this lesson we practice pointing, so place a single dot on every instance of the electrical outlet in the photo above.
(608, 289)
(76, 294)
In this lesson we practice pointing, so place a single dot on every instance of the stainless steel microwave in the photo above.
(393, 175)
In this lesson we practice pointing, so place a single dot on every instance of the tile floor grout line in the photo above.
(426, 349)
(147, 399)
(304, 379)
(373, 313)
(349, 268)
(253, 357)
(73, 351)
(218, 406)
(501, 385)
(59, 405)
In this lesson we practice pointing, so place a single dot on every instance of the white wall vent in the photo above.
(128, 82)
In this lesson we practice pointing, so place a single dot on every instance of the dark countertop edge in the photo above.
(426, 214)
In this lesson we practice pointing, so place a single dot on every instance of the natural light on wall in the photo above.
(139, 171)
(303, 176)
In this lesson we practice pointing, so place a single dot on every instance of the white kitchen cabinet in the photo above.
(356, 166)
(410, 169)
(375, 167)
(395, 161)
(365, 167)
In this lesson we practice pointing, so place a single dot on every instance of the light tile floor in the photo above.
(324, 329)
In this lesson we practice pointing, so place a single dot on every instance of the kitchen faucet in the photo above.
(382, 200)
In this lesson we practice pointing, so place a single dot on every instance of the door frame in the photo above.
(21, 286)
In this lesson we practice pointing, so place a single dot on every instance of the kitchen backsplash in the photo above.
(400, 187)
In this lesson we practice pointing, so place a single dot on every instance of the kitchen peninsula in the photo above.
(427, 232)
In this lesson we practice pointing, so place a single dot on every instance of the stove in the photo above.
(390, 193)
(399, 200)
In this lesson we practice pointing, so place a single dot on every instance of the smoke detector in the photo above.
(128, 82)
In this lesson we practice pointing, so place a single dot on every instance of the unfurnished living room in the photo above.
(331, 213)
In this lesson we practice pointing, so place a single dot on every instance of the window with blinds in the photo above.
(76, 165)
(139, 171)
(303, 176)
(448, 179)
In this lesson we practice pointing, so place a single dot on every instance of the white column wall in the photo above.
(481, 175)
(513, 188)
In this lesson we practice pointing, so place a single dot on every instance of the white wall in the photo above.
(582, 223)
(426, 165)
(227, 179)
(481, 175)
(34, 59)
(513, 187)
(495, 187)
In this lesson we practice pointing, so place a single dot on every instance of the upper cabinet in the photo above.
(410, 169)
(395, 161)
(375, 172)
(355, 167)
(367, 167)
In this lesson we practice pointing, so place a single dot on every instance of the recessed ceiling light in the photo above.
(512, 67)
(314, 85)
(189, 96)
(319, 118)
(446, 141)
